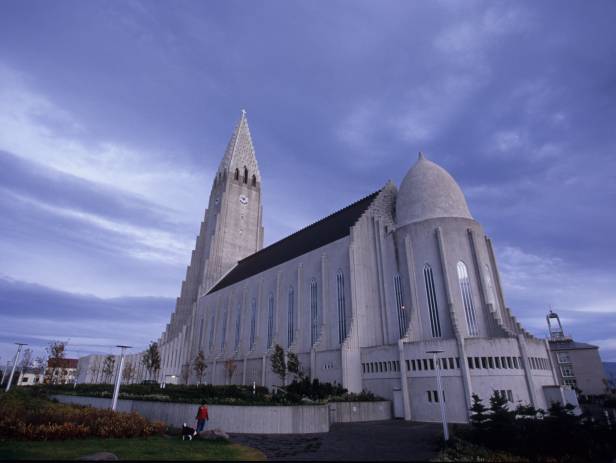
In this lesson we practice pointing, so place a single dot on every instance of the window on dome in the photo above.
(432, 304)
(467, 299)
(400, 308)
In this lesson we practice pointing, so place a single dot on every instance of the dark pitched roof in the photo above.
(570, 345)
(320, 233)
(62, 363)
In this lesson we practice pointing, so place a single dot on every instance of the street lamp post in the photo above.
(441, 396)
(116, 390)
(19, 346)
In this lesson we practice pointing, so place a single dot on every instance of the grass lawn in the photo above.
(151, 448)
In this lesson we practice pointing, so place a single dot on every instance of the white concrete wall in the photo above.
(301, 419)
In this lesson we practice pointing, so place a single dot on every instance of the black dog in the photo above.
(188, 432)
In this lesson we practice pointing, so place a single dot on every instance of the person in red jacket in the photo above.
(202, 417)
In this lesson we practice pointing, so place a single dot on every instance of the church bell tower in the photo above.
(233, 220)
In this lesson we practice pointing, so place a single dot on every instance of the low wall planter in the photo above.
(247, 419)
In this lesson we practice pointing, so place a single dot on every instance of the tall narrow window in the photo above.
(435, 323)
(253, 323)
(237, 174)
(314, 314)
(254, 180)
(491, 293)
(342, 330)
(290, 317)
(245, 175)
(223, 336)
(402, 318)
(467, 299)
(270, 321)
(238, 325)
(211, 341)
(200, 334)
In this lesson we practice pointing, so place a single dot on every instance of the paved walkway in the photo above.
(371, 441)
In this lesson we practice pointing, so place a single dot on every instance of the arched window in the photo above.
(211, 340)
(467, 299)
(435, 323)
(314, 313)
(238, 325)
(342, 330)
(270, 320)
(223, 337)
(245, 174)
(401, 309)
(253, 323)
(237, 174)
(290, 317)
(254, 180)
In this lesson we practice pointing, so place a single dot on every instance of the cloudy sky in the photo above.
(114, 116)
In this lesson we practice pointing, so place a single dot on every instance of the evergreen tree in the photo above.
(478, 417)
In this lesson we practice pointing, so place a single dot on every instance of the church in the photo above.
(374, 296)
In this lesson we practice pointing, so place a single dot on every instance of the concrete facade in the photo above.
(413, 273)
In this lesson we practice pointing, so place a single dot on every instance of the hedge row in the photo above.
(298, 392)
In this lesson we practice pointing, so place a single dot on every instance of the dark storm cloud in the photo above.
(516, 100)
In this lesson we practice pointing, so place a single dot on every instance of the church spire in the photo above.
(240, 153)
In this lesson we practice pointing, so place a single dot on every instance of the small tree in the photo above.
(279, 364)
(108, 366)
(129, 372)
(151, 359)
(199, 366)
(55, 354)
(26, 360)
(95, 369)
(185, 373)
(293, 365)
(230, 366)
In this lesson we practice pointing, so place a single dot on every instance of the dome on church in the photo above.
(427, 192)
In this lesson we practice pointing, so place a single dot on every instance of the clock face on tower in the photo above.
(243, 199)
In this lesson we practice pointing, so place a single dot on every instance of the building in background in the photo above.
(61, 371)
(577, 364)
(30, 376)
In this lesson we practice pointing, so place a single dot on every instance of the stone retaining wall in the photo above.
(255, 419)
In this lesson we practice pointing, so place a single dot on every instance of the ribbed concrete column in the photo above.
(466, 377)
(404, 383)
(527, 370)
